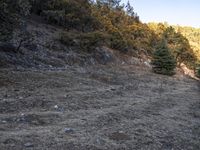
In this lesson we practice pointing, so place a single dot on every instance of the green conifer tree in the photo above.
(163, 61)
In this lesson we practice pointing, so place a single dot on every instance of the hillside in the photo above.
(87, 25)
(80, 75)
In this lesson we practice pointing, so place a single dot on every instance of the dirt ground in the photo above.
(98, 108)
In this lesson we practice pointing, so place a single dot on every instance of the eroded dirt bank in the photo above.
(104, 108)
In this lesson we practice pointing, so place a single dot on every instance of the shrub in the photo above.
(118, 42)
(71, 14)
(89, 41)
(163, 61)
(85, 41)
(69, 39)
(54, 17)
(38, 6)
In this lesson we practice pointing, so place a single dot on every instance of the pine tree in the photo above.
(163, 61)
(130, 12)
(129, 9)
(109, 3)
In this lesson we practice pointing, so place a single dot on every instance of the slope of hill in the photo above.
(84, 26)
(77, 75)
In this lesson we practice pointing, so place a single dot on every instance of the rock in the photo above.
(100, 141)
(4, 121)
(56, 106)
(4, 100)
(121, 132)
(20, 97)
(28, 144)
(68, 130)
(103, 55)
(113, 89)
(147, 64)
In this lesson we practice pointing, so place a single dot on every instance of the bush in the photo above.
(85, 41)
(54, 17)
(163, 61)
(38, 6)
(71, 14)
(89, 41)
(69, 39)
(118, 42)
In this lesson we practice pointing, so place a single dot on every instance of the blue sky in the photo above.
(182, 12)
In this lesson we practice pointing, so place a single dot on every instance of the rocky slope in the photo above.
(45, 50)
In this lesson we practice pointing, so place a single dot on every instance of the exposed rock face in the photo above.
(46, 51)
(103, 55)
(188, 71)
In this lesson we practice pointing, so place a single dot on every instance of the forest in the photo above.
(106, 23)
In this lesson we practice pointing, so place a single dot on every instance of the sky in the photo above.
(175, 12)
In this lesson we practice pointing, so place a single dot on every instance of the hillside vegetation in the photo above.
(88, 24)
(193, 35)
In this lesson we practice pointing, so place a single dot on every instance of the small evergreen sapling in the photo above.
(163, 61)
